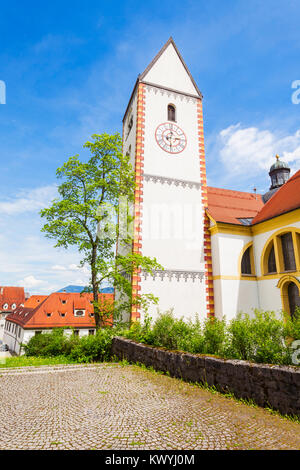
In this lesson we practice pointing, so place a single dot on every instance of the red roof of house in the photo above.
(225, 205)
(35, 300)
(286, 199)
(12, 297)
(61, 308)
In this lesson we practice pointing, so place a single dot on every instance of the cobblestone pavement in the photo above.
(110, 406)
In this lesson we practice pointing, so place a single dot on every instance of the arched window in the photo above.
(272, 261)
(171, 112)
(294, 298)
(246, 262)
(282, 252)
(288, 252)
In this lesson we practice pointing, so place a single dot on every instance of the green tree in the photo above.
(86, 214)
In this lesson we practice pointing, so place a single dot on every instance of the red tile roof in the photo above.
(286, 199)
(35, 300)
(57, 304)
(225, 205)
(11, 296)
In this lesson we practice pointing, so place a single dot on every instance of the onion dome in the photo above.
(279, 174)
(278, 165)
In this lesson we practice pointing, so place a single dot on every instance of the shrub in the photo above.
(214, 336)
(260, 338)
(49, 344)
(292, 326)
(85, 349)
(93, 348)
(241, 345)
(140, 332)
(171, 333)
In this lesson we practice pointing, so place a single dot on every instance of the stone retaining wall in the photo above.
(275, 386)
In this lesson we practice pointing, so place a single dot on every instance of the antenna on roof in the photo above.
(254, 189)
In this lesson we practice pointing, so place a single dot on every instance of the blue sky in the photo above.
(69, 69)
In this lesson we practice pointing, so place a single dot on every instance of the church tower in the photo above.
(163, 133)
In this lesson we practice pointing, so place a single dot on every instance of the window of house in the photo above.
(13, 306)
(91, 332)
(62, 314)
(76, 332)
(288, 252)
(5, 306)
(79, 313)
(171, 112)
(246, 262)
(272, 261)
(37, 333)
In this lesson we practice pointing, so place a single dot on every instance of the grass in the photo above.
(23, 361)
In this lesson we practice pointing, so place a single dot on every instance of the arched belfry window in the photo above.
(171, 112)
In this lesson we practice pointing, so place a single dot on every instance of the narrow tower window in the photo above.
(171, 112)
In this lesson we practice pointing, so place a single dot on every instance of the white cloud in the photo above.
(70, 267)
(29, 201)
(58, 267)
(30, 282)
(249, 150)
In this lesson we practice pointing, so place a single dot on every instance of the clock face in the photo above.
(170, 137)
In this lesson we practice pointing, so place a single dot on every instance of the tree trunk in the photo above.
(95, 285)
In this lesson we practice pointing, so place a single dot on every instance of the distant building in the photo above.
(10, 299)
(43, 313)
